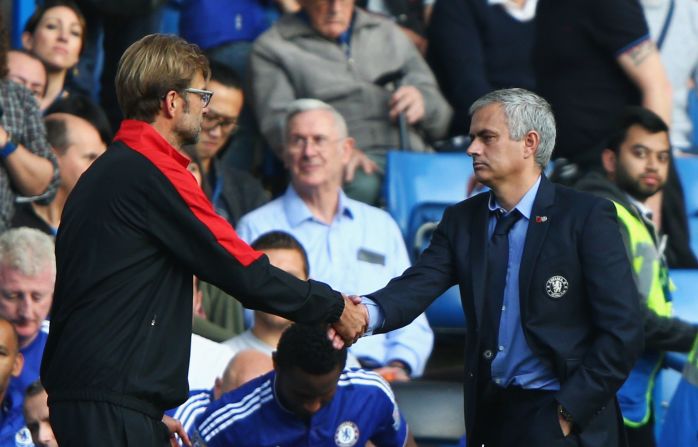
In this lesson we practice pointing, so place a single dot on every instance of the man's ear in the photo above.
(608, 161)
(18, 365)
(348, 147)
(169, 104)
(531, 142)
(27, 41)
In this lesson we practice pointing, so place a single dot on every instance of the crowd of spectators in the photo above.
(292, 80)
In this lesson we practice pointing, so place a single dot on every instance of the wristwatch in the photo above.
(566, 415)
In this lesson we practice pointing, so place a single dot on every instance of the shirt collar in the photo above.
(344, 38)
(525, 205)
(142, 136)
(297, 211)
(646, 212)
(528, 12)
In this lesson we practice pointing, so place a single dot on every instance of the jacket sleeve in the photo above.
(668, 333)
(615, 312)
(183, 220)
(407, 296)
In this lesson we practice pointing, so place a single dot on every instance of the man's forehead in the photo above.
(316, 121)
(655, 141)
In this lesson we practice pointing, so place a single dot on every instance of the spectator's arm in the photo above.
(31, 174)
(642, 64)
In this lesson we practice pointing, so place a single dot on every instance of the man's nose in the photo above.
(473, 148)
(25, 306)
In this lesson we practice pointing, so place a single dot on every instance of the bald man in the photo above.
(27, 70)
(77, 144)
(246, 365)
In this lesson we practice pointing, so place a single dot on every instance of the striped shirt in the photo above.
(191, 409)
(363, 408)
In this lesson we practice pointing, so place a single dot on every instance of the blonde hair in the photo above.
(153, 66)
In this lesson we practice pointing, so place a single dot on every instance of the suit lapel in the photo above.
(535, 235)
(478, 255)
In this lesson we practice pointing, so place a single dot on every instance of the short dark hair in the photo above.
(33, 389)
(225, 75)
(308, 348)
(280, 240)
(632, 116)
(83, 107)
(57, 134)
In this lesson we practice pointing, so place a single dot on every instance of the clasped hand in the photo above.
(351, 325)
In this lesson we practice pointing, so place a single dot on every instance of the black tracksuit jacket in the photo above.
(134, 230)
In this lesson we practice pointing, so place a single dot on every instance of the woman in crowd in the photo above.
(55, 34)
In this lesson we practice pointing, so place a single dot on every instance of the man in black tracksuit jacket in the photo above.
(133, 231)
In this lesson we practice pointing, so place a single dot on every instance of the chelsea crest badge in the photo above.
(347, 434)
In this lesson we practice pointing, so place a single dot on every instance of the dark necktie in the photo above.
(497, 262)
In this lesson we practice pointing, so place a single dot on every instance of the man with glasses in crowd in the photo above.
(233, 192)
(351, 245)
(118, 351)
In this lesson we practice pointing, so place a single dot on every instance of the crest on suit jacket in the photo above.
(556, 286)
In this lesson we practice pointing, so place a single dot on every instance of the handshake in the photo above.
(352, 324)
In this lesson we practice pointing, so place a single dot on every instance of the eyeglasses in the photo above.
(297, 143)
(212, 120)
(204, 94)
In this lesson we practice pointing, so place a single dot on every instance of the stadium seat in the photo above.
(687, 168)
(21, 11)
(433, 410)
(413, 178)
(418, 188)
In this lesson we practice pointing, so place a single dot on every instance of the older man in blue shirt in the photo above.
(355, 247)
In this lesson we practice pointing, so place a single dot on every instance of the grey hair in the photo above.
(307, 105)
(28, 250)
(524, 111)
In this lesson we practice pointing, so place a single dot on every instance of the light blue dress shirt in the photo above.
(358, 253)
(515, 364)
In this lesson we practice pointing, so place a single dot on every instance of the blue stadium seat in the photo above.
(21, 11)
(687, 168)
(418, 188)
(412, 178)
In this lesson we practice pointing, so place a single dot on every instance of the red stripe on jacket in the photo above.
(144, 139)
